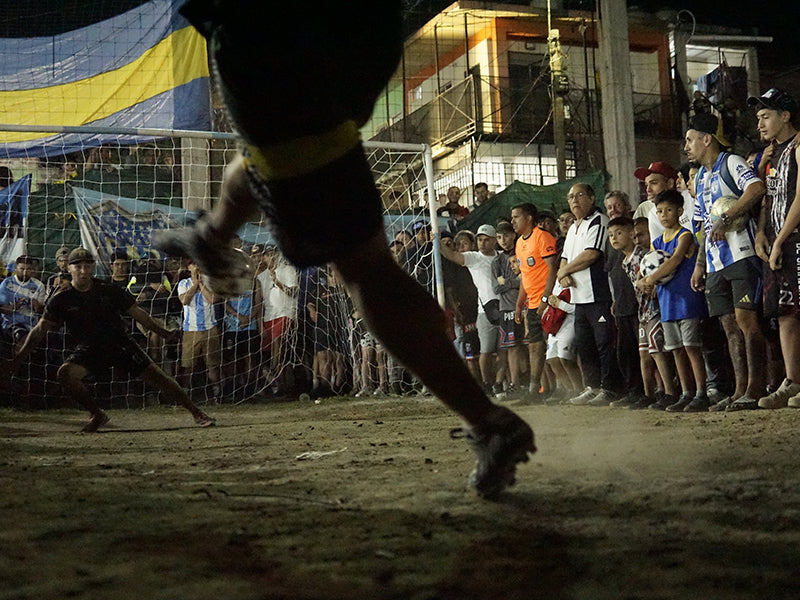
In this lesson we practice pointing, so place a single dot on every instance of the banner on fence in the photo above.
(14, 220)
(145, 68)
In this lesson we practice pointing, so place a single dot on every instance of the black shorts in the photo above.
(736, 286)
(782, 287)
(511, 332)
(126, 355)
(286, 92)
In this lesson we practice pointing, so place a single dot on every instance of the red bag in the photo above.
(553, 317)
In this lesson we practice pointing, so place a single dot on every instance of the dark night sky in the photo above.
(777, 18)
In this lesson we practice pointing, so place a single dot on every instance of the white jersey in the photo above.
(730, 176)
(480, 267)
(199, 314)
(591, 283)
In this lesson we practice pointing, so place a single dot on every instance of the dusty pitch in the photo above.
(355, 499)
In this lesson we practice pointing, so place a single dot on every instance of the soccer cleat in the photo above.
(96, 422)
(203, 420)
(194, 242)
(501, 442)
(780, 397)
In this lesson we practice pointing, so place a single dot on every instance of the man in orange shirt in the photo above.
(538, 263)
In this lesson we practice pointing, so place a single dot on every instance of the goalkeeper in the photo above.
(298, 83)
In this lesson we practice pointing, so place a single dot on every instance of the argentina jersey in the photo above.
(199, 314)
(21, 294)
(729, 177)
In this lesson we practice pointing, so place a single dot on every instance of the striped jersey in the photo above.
(781, 186)
(13, 290)
(199, 314)
(712, 185)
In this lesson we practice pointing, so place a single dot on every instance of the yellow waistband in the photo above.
(302, 155)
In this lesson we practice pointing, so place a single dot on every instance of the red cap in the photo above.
(661, 168)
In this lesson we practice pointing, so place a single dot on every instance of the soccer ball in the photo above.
(651, 261)
(238, 278)
(721, 205)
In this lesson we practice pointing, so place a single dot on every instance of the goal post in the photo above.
(110, 197)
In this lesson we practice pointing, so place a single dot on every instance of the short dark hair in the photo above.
(28, 260)
(119, 255)
(673, 197)
(529, 208)
(621, 222)
(641, 221)
(504, 227)
(482, 184)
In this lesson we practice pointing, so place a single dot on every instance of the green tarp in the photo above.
(551, 198)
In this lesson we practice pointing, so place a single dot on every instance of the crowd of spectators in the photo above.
(572, 307)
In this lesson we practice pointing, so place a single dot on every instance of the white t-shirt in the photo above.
(591, 284)
(655, 226)
(480, 267)
(278, 303)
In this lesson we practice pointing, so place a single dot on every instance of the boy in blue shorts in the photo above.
(682, 308)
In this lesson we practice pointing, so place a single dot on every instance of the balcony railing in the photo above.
(514, 111)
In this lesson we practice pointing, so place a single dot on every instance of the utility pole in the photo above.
(559, 86)
(616, 87)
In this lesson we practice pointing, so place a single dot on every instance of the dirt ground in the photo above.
(368, 499)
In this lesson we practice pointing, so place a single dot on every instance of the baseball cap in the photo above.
(712, 125)
(80, 255)
(774, 99)
(63, 251)
(487, 229)
(422, 223)
(658, 167)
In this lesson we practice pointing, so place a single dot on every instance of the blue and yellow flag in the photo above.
(145, 68)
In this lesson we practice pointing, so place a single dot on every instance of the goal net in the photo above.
(296, 332)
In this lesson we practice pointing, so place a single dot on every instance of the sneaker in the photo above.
(642, 403)
(715, 396)
(743, 403)
(793, 402)
(699, 403)
(96, 422)
(662, 402)
(363, 392)
(583, 398)
(381, 390)
(498, 391)
(501, 442)
(529, 399)
(682, 403)
(626, 400)
(203, 420)
(604, 398)
(780, 397)
(721, 406)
